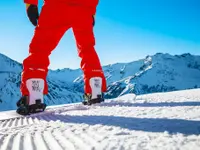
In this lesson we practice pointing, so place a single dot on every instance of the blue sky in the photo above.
(125, 30)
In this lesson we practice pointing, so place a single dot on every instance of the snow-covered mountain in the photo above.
(161, 121)
(157, 73)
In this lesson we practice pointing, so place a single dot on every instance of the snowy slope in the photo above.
(164, 121)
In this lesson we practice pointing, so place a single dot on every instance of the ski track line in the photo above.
(64, 142)
(76, 140)
(28, 142)
(25, 121)
(14, 123)
(40, 143)
(3, 123)
(7, 143)
(17, 142)
(88, 140)
(51, 141)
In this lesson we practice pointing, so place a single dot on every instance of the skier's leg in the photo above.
(90, 63)
(49, 31)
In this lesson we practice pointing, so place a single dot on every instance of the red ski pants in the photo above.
(55, 19)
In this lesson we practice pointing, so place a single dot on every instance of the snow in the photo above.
(160, 121)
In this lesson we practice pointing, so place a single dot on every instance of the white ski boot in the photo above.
(96, 96)
(34, 102)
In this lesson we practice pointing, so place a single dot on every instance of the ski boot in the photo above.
(25, 109)
(96, 96)
(89, 101)
(33, 103)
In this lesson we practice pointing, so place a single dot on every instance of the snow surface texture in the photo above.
(164, 121)
(157, 73)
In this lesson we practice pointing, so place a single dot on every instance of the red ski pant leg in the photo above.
(90, 64)
(47, 34)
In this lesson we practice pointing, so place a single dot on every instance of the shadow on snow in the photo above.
(147, 104)
(172, 126)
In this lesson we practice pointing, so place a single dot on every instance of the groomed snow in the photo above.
(164, 121)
